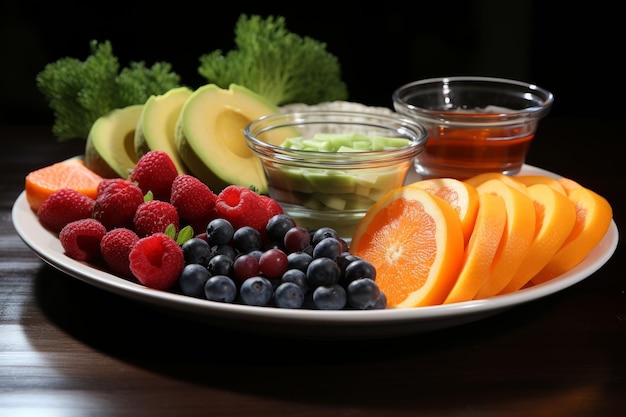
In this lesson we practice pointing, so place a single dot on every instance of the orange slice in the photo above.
(481, 249)
(593, 218)
(516, 238)
(508, 180)
(70, 173)
(553, 183)
(555, 216)
(415, 241)
(462, 196)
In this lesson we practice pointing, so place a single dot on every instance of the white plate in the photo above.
(343, 324)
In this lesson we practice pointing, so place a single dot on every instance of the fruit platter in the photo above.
(301, 323)
(167, 206)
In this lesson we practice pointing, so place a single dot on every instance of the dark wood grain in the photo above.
(70, 349)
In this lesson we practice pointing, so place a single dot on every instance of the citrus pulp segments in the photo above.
(415, 241)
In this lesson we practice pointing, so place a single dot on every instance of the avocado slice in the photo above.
(209, 136)
(157, 125)
(110, 150)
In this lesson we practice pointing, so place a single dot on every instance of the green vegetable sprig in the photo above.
(80, 92)
(279, 65)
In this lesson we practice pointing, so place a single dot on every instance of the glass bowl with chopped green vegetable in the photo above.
(327, 168)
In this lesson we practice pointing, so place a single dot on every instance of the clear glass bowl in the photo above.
(331, 185)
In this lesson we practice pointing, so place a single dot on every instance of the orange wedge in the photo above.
(508, 180)
(462, 196)
(593, 218)
(555, 216)
(481, 249)
(415, 241)
(541, 179)
(70, 173)
(516, 238)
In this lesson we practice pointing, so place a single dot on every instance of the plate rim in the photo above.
(392, 322)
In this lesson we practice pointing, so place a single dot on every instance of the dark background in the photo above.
(574, 52)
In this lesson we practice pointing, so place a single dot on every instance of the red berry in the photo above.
(115, 248)
(193, 199)
(272, 206)
(64, 206)
(155, 171)
(81, 239)
(241, 207)
(116, 203)
(273, 263)
(157, 261)
(154, 216)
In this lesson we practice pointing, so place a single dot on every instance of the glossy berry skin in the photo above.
(288, 295)
(322, 271)
(297, 239)
(220, 265)
(196, 251)
(297, 277)
(220, 288)
(329, 297)
(299, 260)
(323, 233)
(256, 291)
(357, 269)
(219, 232)
(277, 226)
(362, 294)
(246, 266)
(246, 239)
(192, 280)
(328, 248)
(273, 263)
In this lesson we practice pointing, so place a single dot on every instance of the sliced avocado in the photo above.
(209, 136)
(157, 125)
(110, 149)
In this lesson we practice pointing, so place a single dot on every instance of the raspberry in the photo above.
(116, 203)
(64, 206)
(272, 206)
(157, 261)
(155, 171)
(241, 207)
(115, 248)
(193, 199)
(81, 239)
(154, 216)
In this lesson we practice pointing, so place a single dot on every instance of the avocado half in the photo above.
(157, 125)
(210, 140)
(110, 150)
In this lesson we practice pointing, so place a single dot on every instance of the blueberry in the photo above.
(299, 260)
(220, 265)
(219, 232)
(256, 291)
(277, 226)
(192, 279)
(223, 250)
(196, 251)
(362, 294)
(247, 239)
(322, 271)
(288, 295)
(329, 297)
(220, 288)
(297, 277)
(323, 233)
(357, 269)
(328, 248)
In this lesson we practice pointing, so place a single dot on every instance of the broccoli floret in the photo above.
(279, 65)
(81, 92)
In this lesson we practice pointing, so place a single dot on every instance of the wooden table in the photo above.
(70, 349)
